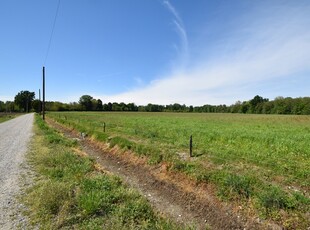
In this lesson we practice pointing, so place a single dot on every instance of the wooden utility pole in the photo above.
(43, 104)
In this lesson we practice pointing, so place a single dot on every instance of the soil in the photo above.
(172, 194)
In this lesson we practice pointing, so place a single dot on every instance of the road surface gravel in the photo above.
(15, 135)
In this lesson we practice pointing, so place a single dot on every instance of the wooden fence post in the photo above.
(191, 146)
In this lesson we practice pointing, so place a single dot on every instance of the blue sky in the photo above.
(156, 51)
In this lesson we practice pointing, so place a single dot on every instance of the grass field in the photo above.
(261, 159)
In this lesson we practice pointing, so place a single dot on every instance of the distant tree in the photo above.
(9, 106)
(132, 107)
(99, 105)
(116, 107)
(107, 107)
(301, 105)
(36, 105)
(279, 105)
(268, 107)
(93, 105)
(57, 106)
(123, 106)
(86, 102)
(256, 104)
(306, 106)
(24, 100)
(236, 108)
(74, 106)
(176, 107)
(245, 107)
(2, 106)
(191, 109)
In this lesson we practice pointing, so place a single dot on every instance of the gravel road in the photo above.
(15, 135)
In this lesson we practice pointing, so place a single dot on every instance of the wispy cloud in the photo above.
(272, 45)
(180, 29)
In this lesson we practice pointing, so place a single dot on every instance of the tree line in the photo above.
(25, 102)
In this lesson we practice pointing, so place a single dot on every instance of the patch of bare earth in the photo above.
(172, 194)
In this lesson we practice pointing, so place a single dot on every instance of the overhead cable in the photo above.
(52, 33)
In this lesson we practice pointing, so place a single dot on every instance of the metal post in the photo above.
(43, 104)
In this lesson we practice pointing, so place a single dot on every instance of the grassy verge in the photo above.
(5, 117)
(255, 161)
(70, 194)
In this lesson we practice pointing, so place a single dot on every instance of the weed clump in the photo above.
(274, 198)
(242, 186)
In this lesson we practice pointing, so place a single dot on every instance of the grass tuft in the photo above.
(274, 198)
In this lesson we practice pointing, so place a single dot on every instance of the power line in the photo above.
(50, 40)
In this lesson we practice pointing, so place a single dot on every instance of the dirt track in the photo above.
(170, 193)
(14, 138)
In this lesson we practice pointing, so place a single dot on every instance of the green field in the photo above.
(262, 159)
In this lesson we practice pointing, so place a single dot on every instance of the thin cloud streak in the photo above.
(180, 29)
(172, 10)
(277, 47)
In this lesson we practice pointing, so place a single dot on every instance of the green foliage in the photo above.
(5, 117)
(121, 142)
(184, 166)
(257, 105)
(86, 102)
(239, 186)
(99, 195)
(100, 136)
(275, 198)
(53, 196)
(155, 158)
(24, 100)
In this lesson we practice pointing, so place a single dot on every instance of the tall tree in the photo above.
(86, 102)
(99, 105)
(2, 106)
(256, 104)
(24, 100)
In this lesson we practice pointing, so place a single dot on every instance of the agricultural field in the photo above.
(261, 162)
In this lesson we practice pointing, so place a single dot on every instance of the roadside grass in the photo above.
(259, 159)
(5, 117)
(70, 194)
